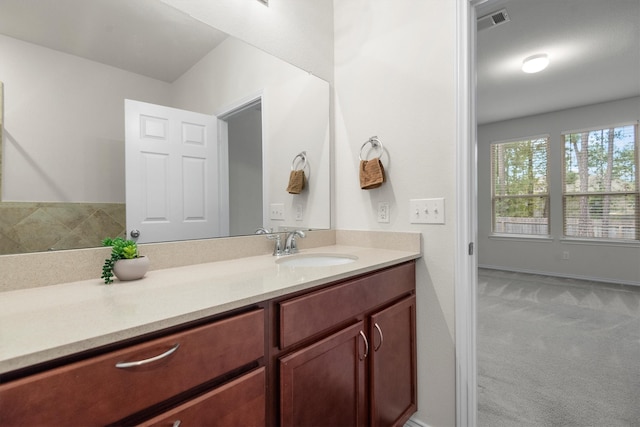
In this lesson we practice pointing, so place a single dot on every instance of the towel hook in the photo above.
(303, 156)
(375, 144)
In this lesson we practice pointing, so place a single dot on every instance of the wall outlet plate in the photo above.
(383, 211)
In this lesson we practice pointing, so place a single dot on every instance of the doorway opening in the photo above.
(240, 137)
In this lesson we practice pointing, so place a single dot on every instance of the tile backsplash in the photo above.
(27, 227)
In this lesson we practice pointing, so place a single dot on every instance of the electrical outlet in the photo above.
(276, 211)
(426, 211)
(383, 211)
(299, 212)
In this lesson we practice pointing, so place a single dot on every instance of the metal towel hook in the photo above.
(303, 156)
(375, 144)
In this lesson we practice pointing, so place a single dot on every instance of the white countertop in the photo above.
(45, 323)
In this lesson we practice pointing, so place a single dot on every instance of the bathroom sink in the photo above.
(315, 260)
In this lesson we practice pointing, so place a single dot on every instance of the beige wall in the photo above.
(55, 120)
(611, 261)
(298, 31)
(394, 78)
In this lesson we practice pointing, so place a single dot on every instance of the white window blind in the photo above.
(520, 194)
(600, 183)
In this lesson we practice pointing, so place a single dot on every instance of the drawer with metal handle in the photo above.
(112, 386)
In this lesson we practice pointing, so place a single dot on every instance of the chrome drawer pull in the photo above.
(381, 337)
(124, 365)
(366, 346)
(176, 423)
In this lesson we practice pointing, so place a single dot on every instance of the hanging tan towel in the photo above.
(371, 173)
(296, 182)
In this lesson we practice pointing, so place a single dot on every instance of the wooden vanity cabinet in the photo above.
(108, 388)
(342, 354)
(240, 402)
(324, 383)
(393, 367)
(355, 363)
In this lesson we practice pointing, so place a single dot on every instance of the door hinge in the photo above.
(471, 248)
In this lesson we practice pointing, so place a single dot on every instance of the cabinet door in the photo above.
(324, 384)
(393, 363)
(240, 402)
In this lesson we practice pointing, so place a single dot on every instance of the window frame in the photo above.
(635, 194)
(546, 196)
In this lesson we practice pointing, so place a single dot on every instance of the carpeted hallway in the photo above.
(557, 352)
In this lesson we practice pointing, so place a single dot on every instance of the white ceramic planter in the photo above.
(131, 269)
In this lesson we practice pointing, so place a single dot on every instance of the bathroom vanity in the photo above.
(280, 346)
(360, 335)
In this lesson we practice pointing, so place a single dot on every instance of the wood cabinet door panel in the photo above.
(310, 314)
(240, 402)
(95, 392)
(393, 364)
(324, 384)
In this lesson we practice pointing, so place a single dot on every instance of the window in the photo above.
(600, 183)
(520, 194)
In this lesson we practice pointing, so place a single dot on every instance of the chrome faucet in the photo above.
(290, 246)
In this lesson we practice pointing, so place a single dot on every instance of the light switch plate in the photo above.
(276, 211)
(426, 211)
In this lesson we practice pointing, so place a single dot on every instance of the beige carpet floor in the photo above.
(557, 352)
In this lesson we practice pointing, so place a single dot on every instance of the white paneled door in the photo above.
(171, 173)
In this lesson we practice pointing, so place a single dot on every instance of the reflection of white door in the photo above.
(171, 173)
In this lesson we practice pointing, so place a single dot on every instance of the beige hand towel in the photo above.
(371, 173)
(296, 182)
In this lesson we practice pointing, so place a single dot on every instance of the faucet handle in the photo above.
(277, 249)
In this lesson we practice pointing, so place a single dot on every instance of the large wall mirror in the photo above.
(68, 66)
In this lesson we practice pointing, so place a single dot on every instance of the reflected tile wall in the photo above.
(1, 127)
(36, 227)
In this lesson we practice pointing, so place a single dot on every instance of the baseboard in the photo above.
(415, 423)
(565, 276)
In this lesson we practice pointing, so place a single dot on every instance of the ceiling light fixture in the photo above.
(535, 63)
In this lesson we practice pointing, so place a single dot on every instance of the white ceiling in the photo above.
(147, 37)
(593, 45)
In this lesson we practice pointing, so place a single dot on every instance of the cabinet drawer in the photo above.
(96, 392)
(240, 402)
(310, 314)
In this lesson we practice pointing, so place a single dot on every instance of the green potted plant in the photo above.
(125, 262)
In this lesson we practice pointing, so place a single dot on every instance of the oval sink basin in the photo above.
(315, 260)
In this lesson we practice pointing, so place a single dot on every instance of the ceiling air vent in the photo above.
(493, 19)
